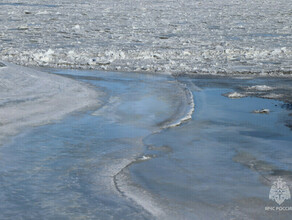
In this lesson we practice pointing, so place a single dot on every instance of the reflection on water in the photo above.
(116, 162)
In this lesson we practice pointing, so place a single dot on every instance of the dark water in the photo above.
(125, 161)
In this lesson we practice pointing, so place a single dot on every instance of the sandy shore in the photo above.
(31, 98)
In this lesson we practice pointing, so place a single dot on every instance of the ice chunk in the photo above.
(262, 111)
(260, 88)
(31, 98)
(234, 95)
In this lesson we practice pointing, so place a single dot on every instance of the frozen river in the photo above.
(158, 147)
(171, 36)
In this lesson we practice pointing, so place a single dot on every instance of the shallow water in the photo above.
(205, 167)
(125, 160)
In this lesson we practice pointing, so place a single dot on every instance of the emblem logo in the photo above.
(279, 191)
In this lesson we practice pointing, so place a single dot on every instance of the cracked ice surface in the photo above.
(211, 36)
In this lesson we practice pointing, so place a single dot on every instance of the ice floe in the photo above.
(260, 88)
(234, 95)
(31, 98)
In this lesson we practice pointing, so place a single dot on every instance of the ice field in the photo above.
(144, 109)
(169, 36)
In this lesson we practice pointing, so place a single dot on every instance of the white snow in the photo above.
(31, 98)
(211, 36)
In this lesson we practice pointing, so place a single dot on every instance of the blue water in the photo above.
(90, 165)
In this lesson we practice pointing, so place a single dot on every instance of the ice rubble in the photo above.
(227, 36)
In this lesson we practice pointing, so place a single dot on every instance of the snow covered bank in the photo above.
(226, 36)
(29, 98)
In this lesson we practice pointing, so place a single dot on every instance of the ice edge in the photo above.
(147, 203)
